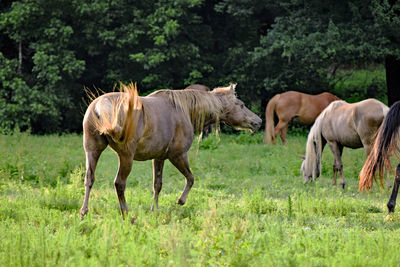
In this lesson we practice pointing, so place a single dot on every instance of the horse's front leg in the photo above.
(182, 164)
(335, 171)
(125, 166)
(337, 150)
(392, 201)
(158, 166)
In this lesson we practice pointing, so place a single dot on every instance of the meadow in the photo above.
(248, 207)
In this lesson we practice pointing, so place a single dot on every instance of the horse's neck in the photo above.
(210, 120)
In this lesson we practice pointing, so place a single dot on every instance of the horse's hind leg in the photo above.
(125, 166)
(281, 129)
(392, 201)
(158, 166)
(94, 146)
(182, 164)
(283, 133)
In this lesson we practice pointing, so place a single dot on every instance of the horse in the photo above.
(379, 158)
(292, 104)
(198, 87)
(342, 125)
(159, 126)
(207, 129)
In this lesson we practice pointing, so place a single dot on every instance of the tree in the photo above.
(49, 70)
(315, 37)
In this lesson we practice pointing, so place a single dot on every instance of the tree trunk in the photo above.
(392, 65)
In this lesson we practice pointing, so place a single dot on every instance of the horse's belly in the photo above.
(304, 120)
(151, 149)
(142, 156)
(350, 142)
(355, 144)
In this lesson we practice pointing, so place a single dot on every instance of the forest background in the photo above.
(51, 50)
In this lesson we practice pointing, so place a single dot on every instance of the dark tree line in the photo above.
(50, 50)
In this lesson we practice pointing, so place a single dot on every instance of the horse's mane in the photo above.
(197, 105)
(314, 141)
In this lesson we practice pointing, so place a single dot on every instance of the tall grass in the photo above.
(248, 207)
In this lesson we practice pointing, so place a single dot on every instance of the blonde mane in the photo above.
(312, 161)
(197, 105)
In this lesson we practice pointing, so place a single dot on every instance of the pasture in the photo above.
(248, 207)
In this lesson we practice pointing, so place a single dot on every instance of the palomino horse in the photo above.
(342, 125)
(159, 126)
(379, 158)
(288, 105)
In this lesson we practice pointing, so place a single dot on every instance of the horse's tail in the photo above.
(386, 141)
(118, 117)
(269, 120)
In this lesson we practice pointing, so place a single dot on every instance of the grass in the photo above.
(248, 207)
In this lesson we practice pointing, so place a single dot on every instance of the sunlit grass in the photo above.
(248, 207)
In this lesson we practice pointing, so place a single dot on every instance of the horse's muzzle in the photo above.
(255, 125)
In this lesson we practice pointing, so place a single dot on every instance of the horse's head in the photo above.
(235, 113)
(308, 172)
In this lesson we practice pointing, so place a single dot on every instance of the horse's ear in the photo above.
(232, 86)
(301, 156)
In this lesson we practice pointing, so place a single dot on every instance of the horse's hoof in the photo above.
(343, 185)
(83, 213)
(390, 208)
(180, 202)
(132, 220)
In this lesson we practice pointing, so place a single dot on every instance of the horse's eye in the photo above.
(241, 106)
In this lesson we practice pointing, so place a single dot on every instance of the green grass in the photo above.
(248, 207)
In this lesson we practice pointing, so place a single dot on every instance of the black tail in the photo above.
(385, 142)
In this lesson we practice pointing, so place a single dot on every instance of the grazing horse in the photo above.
(159, 126)
(207, 129)
(379, 158)
(288, 105)
(342, 125)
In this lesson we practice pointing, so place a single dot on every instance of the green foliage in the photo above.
(265, 46)
(309, 41)
(248, 207)
(356, 85)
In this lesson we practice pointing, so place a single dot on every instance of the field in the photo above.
(248, 207)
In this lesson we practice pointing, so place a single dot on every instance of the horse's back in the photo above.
(353, 124)
(168, 130)
(288, 105)
(199, 87)
(370, 113)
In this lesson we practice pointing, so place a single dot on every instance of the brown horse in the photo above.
(159, 126)
(379, 158)
(342, 125)
(288, 105)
